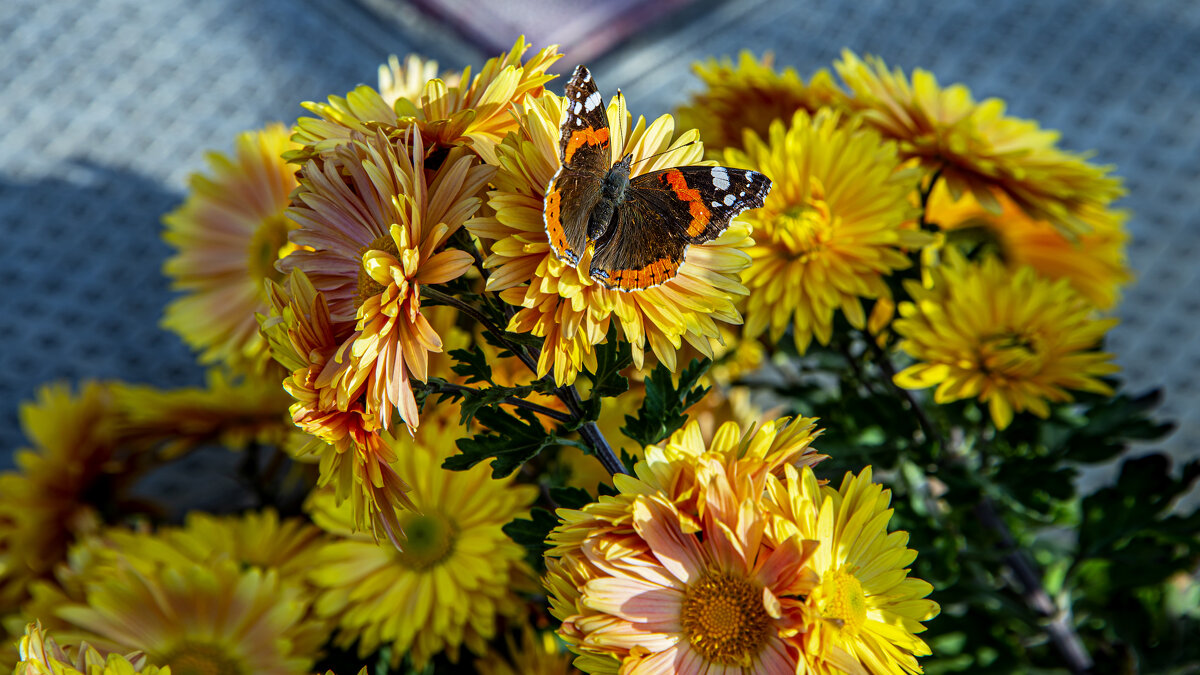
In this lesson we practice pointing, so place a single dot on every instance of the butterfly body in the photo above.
(639, 226)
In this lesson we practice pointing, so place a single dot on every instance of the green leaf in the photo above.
(612, 356)
(511, 441)
(662, 410)
(571, 497)
(475, 400)
(531, 534)
(471, 364)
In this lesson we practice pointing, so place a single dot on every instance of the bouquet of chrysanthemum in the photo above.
(527, 384)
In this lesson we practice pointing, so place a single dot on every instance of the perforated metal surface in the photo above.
(106, 112)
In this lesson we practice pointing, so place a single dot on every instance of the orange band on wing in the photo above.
(581, 137)
(658, 272)
(554, 228)
(700, 212)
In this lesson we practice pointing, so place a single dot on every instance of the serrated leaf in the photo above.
(612, 356)
(472, 364)
(571, 497)
(662, 413)
(511, 441)
(531, 534)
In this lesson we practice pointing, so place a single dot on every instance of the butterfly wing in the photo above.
(586, 157)
(666, 211)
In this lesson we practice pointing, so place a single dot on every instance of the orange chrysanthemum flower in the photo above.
(353, 455)
(978, 148)
(1094, 263)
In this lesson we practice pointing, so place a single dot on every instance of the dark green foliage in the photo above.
(662, 410)
(612, 357)
(531, 534)
(511, 440)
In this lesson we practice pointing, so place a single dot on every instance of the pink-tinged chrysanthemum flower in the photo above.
(563, 304)
(353, 455)
(475, 112)
(228, 235)
(675, 574)
(867, 608)
(374, 222)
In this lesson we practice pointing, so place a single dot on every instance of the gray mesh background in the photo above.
(107, 106)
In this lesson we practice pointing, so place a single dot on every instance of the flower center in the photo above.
(430, 540)
(724, 618)
(267, 245)
(845, 601)
(198, 658)
(1009, 352)
(367, 286)
(805, 229)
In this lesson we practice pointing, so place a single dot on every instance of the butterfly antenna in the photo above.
(659, 154)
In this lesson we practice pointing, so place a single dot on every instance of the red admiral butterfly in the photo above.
(640, 227)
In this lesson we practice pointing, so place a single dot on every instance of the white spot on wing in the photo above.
(729, 200)
(715, 203)
(720, 178)
(592, 101)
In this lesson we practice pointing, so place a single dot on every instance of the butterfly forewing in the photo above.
(666, 211)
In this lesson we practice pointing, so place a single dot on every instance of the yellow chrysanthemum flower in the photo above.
(562, 303)
(538, 654)
(749, 96)
(233, 413)
(674, 573)
(252, 540)
(457, 573)
(976, 146)
(1094, 263)
(353, 455)
(41, 655)
(398, 81)
(374, 222)
(227, 236)
(196, 617)
(1012, 339)
(833, 227)
(54, 495)
(867, 609)
(475, 111)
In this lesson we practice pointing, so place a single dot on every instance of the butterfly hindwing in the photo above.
(666, 211)
(570, 198)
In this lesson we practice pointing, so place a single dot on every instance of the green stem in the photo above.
(568, 395)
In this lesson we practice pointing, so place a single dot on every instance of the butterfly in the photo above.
(640, 227)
